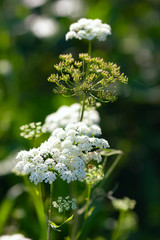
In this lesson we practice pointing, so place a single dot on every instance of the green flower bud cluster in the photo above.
(32, 130)
(90, 76)
(94, 174)
(65, 204)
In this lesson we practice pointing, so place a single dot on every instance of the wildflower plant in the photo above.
(74, 154)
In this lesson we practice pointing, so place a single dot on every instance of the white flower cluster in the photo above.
(65, 204)
(32, 130)
(89, 29)
(64, 154)
(94, 174)
(14, 237)
(66, 115)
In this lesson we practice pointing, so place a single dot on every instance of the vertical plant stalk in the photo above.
(116, 232)
(42, 212)
(89, 48)
(114, 164)
(83, 108)
(79, 234)
(89, 186)
(76, 217)
(84, 96)
(36, 194)
(88, 199)
(75, 226)
(50, 213)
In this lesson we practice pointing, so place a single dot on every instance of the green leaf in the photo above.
(68, 219)
(91, 211)
(110, 152)
(5, 210)
(55, 226)
(7, 204)
(114, 164)
(36, 194)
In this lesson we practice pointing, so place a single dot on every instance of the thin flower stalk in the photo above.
(88, 199)
(50, 213)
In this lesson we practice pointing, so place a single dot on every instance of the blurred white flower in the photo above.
(41, 26)
(34, 4)
(5, 67)
(69, 114)
(89, 29)
(32, 130)
(70, 8)
(14, 237)
(123, 204)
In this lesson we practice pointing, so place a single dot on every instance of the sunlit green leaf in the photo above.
(55, 226)
(91, 211)
(109, 152)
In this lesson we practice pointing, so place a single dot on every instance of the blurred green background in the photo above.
(32, 35)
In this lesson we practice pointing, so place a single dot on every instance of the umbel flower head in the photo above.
(90, 76)
(31, 130)
(89, 29)
(66, 154)
(65, 204)
(69, 114)
(94, 174)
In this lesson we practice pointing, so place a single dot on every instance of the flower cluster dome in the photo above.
(69, 114)
(65, 154)
(89, 29)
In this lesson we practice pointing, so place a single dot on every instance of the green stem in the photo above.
(80, 233)
(83, 107)
(87, 204)
(42, 214)
(116, 232)
(89, 48)
(75, 226)
(112, 167)
(50, 213)
(36, 194)
(76, 217)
